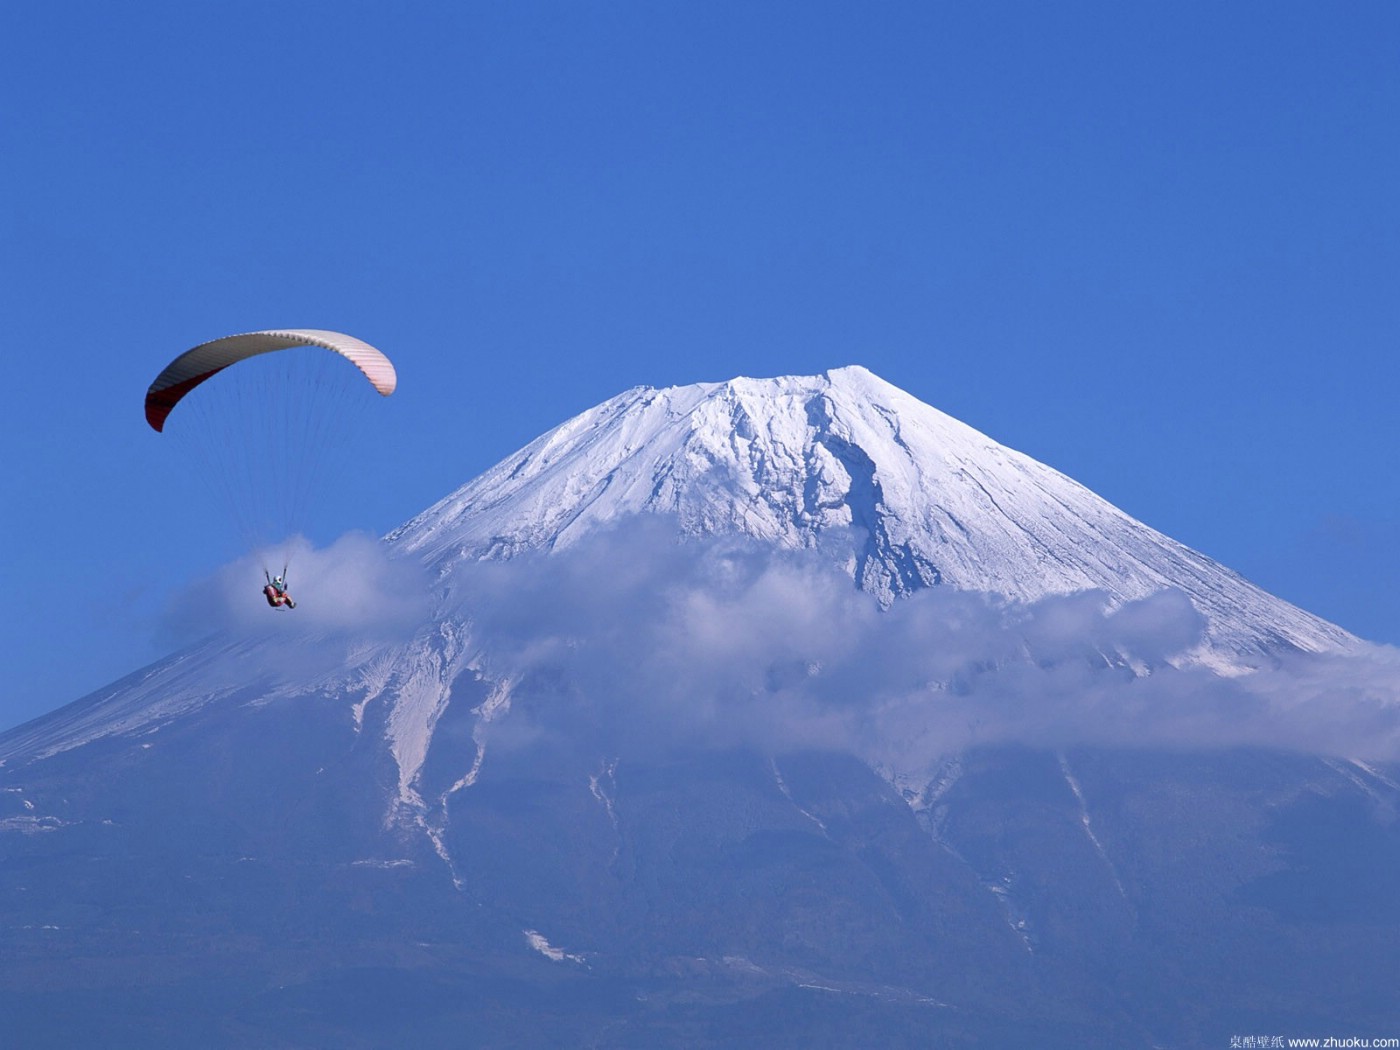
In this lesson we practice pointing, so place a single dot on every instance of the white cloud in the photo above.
(638, 640)
(646, 641)
(350, 586)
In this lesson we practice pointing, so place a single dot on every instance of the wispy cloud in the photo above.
(645, 642)
(353, 585)
(638, 641)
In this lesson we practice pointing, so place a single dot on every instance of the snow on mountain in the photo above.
(930, 500)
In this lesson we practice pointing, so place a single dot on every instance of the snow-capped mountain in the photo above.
(929, 501)
(399, 833)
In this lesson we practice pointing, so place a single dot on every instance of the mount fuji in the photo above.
(767, 712)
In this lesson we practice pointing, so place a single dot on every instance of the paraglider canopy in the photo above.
(208, 359)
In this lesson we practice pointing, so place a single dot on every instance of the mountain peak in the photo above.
(913, 497)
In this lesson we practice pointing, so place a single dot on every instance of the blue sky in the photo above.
(1156, 246)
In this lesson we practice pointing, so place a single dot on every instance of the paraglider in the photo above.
(278, 418)
(276, 591)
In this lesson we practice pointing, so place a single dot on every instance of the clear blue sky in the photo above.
(1155, 245)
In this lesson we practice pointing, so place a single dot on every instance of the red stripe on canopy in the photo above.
(160, 402)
